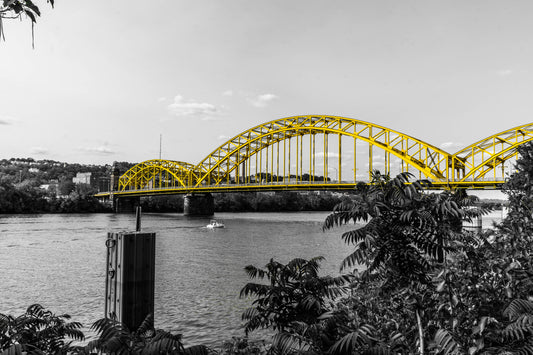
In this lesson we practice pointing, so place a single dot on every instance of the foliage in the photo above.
(38, 331)
(20, 169)
(292, 303)
(405, 237)
(406, 229)
(26, 199)
(490, 284)
(282, 201)
(115, 338)
(162, 204)
(20, 191)
(408, 244)
(483, 299)
(11, 9)
(430, 287)
(243, 346)
(34, 200)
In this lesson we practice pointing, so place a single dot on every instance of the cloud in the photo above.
(376, 165)
(504, 72)
(7, 120)
(330, 155)
(223, 137)
(162, 99)
(101, 150)
(344, 155)
(182, 108)
(228, 93)
(262, 100)
(450, 146)
(395, 160)
(209, 118)
(38, 150)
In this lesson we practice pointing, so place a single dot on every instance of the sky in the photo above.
(107, 79)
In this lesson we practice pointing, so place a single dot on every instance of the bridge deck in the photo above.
(331, 186)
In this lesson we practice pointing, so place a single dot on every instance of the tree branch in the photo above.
(420, 332)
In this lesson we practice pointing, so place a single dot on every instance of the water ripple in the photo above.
(59, 262)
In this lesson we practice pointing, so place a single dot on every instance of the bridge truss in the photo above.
(325, 152)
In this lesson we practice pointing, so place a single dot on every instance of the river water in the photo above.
(59, 261)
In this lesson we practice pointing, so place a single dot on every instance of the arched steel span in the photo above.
(263, 157)
(475, 161)
(216, 168)
(156, 174)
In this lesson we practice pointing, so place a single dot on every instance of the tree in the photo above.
(65, 186)
(405, 229)
(292, 303)
(11, 9)
(115, 338)
(491, 283)
(38, 331)
(405, 238)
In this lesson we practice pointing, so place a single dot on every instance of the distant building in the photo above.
(85, 178)
(97, 181)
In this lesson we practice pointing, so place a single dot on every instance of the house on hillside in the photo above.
(85, 178)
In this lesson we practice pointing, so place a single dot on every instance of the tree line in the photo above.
(281, 201)
(22, 180)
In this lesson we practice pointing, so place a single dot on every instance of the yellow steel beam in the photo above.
(477, 159)
(225, 158)
(143, 174)
(467, 167)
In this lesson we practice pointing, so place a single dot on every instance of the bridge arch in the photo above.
(156, 174)
(474, 162)
(271, 157)
(232, 156)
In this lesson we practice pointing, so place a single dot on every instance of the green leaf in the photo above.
(518, 307)
(446, 343)
(30, 15)
(441, 285)
(196, 350)
(29, 4)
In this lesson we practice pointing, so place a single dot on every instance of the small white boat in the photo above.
(215, 224)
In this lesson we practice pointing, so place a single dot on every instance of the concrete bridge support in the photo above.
(126, 204)
(198, 205)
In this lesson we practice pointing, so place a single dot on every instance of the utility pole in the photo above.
(160, 141)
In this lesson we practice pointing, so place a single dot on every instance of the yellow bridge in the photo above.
(324, 152)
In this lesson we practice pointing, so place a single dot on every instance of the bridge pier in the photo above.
(126, 204)
(198, 205)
